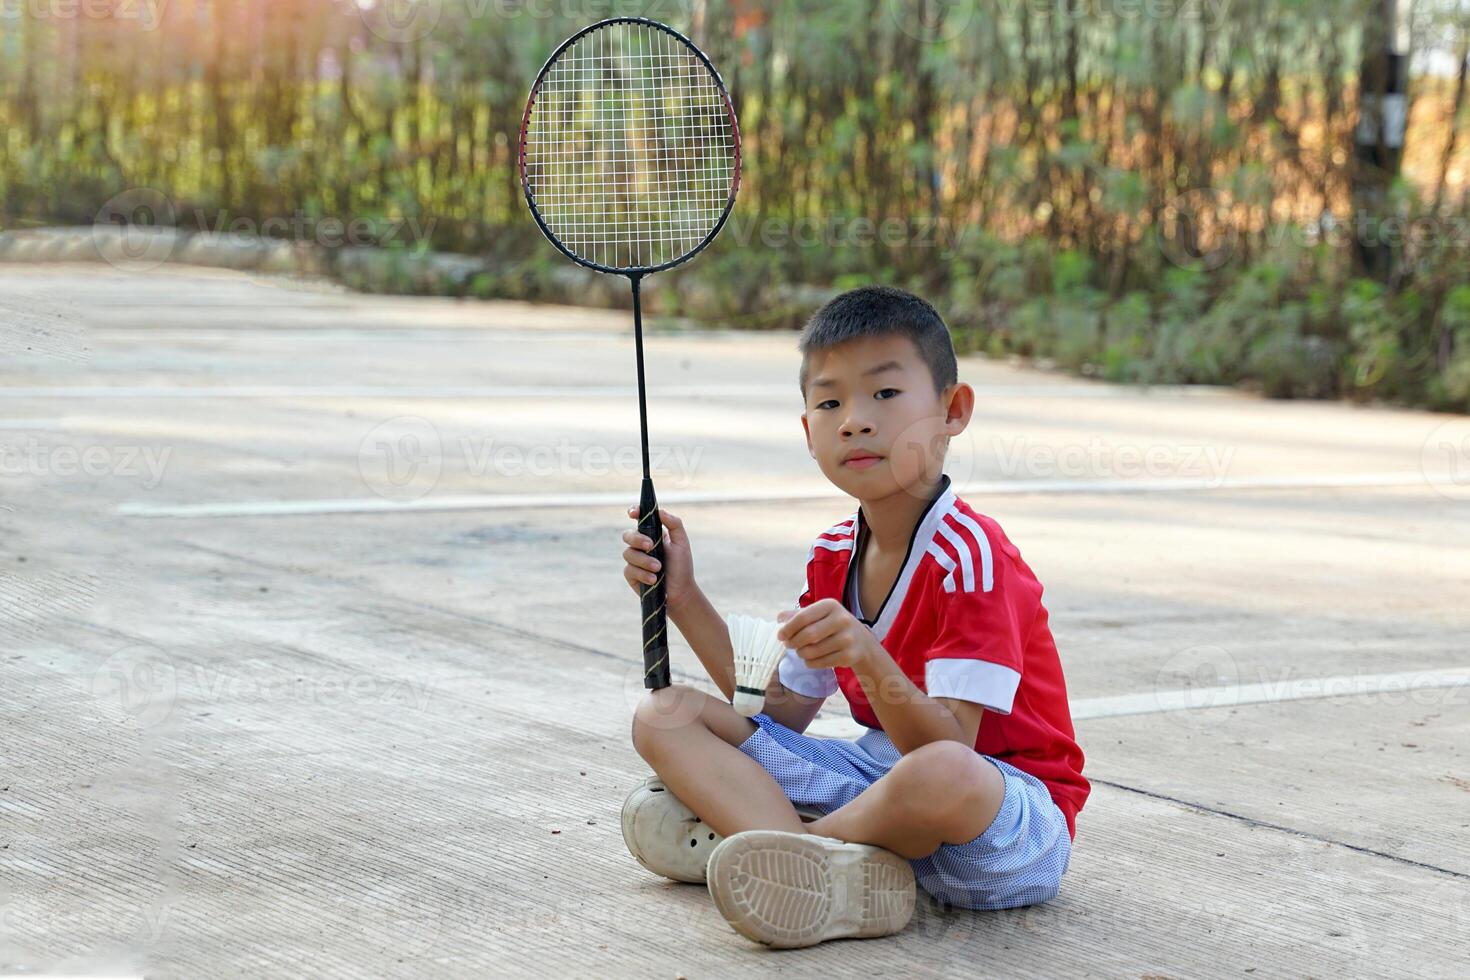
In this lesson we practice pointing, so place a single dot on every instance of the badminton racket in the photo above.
(630, 162)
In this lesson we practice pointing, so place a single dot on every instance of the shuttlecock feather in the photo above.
(757, 652)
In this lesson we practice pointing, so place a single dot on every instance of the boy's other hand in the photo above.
(825, 634)
(640, 569)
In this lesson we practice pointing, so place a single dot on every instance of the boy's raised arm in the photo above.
(693, 613)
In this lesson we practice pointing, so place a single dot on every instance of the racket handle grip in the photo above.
(655, 611)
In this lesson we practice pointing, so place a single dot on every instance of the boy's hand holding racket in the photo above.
(677, 566)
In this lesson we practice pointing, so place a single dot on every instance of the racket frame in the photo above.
(630, 271)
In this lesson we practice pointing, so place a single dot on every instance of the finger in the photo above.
(673, 527)
(807, 616)
(635, 540)
(637, 576)
(633, 512)
(641, 559)
(799, 619)
(815, 633)
(784, 615)
(836, 658)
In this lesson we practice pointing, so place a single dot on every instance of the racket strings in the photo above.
(630, 150)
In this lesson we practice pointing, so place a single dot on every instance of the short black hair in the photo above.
(878, 311)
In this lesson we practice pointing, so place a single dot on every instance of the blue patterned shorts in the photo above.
(1018, 860)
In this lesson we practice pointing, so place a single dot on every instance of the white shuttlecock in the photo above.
(757, 652)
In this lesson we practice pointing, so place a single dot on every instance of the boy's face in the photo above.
(873, 421)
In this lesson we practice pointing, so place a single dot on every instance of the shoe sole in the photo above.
(792, 890)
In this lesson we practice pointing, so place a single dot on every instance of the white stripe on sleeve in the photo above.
(945, 562)
(980, 682)
(987, 561)
(967, 568)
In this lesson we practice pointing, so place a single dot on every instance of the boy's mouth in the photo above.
(861, 459)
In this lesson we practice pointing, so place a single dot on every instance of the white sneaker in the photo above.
(789, 890)
(664, 835)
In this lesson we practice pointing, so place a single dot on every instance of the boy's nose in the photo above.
(856, 427)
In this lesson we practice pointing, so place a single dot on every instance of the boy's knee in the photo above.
(662, 712)
(936, 764)
(944, 778)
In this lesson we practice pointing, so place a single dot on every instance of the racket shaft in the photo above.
(655, 613)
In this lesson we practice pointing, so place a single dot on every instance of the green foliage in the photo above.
(1025, 185)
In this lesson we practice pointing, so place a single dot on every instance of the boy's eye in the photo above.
(829, 403)
(886, 393)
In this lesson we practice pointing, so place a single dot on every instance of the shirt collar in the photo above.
(859, 536)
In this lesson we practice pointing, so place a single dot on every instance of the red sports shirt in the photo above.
(964, 620)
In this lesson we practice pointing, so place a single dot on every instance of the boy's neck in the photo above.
(891, 520)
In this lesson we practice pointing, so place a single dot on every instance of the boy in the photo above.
(922, 613)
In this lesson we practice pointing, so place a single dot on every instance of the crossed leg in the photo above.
(693, 742)
(941, 793)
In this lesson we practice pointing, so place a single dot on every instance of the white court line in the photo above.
(532, 392)
(1269, 692)
(31, 424)
(1402, 684)
(622, 498)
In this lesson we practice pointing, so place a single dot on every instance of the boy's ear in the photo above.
(959, 403)
(806, 428)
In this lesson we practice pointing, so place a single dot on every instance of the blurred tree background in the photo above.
(1145, 190)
